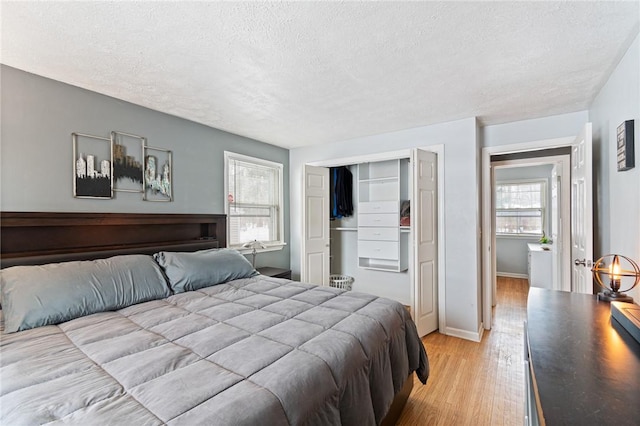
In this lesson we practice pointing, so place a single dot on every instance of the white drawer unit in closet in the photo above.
(380, 190)
(378, 234)
(378, 207)
(384, 250)
(383, 219)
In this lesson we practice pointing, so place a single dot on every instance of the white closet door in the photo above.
(315, 250)
(424, 221)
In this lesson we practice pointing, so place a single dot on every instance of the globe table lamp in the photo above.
(616, 273)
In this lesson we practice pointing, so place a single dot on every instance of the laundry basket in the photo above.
(340, 281)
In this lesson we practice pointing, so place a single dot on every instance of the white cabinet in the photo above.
(540, 266)
(381, 187)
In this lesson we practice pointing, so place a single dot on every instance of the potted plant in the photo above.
(545, 242)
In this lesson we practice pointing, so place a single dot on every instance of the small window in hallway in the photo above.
(520, 208)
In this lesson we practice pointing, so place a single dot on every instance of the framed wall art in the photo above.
(625, 152)
(92, 159)
(128, 152)
(158, 185)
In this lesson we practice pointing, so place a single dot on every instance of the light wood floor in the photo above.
(476, 383)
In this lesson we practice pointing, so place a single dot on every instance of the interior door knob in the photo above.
(583, 262)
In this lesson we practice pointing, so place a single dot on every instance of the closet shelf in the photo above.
(380, 180)
(342, 228)
(383, 267)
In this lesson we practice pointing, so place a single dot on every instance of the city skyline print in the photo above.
(157, 174)
(120, 163)
(128, 151)
(92, 160)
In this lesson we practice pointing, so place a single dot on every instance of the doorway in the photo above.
(521, 225)
(581, 216)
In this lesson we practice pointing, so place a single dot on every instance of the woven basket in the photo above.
(340, 281)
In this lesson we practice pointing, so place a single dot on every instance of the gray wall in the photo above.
(39, 115)
(617, 194)
(511, 252)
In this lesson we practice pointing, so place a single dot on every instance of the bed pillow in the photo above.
(33, 296)
(205, 268)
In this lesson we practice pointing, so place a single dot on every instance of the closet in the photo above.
(372, 240)
(385, 258)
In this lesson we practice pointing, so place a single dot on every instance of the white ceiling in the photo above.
(303, 73)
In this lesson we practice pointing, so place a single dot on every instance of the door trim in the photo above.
(406, 153)
(487, 218)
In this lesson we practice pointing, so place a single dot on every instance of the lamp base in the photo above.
(614, 296)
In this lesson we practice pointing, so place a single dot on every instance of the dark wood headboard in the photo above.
(33, 238)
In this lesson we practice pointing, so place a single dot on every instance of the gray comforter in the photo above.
(252, 351)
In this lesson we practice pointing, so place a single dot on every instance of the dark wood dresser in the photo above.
(581, 366)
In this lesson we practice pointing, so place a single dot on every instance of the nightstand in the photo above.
(268, 271)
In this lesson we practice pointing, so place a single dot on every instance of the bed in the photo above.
(142, 319)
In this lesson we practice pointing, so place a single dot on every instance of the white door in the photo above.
(581, 213)
(494, 259)
(315, 212)
(424, 221)
(556, 238)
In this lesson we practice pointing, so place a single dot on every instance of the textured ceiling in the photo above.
(295, 74)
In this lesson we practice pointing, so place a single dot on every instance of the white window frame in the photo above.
(271, 245)
(543, 209)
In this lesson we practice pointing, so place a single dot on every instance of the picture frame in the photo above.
(625, 152)
(158, 171)
(92, 171)
(127, 164)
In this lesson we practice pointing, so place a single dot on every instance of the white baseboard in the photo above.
(512, 275)
(465, 334)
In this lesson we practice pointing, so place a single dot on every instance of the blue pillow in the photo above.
(205, 268)
(33, 296)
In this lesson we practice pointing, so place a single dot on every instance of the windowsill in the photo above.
(519, 237)
(270, 247)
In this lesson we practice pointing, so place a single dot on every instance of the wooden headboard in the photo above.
(34, 238)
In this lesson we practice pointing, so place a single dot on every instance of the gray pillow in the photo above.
(33, 296)
(205, 268)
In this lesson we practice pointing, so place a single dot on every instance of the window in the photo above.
(254, 200)
(520, 208)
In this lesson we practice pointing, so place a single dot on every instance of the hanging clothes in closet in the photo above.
(341, 192)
